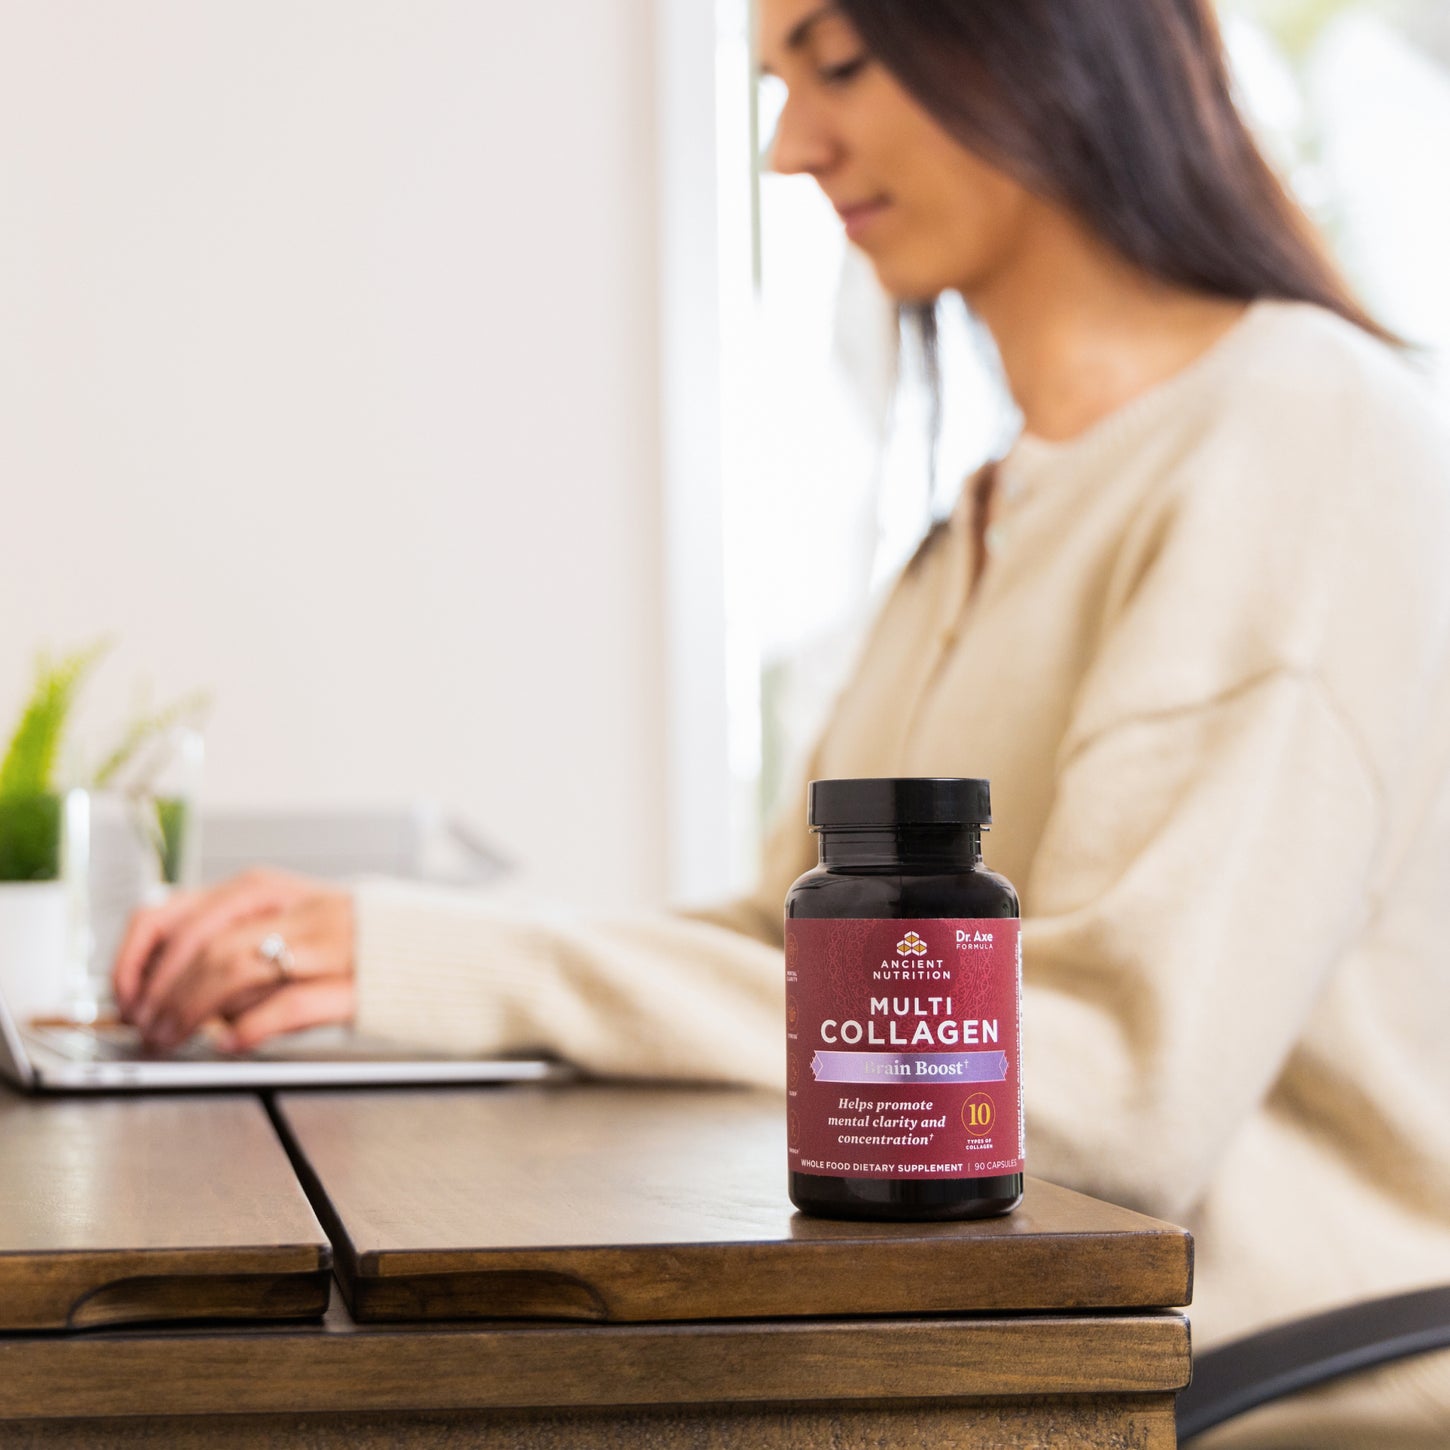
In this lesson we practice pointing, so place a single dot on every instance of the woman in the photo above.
(1204, 662)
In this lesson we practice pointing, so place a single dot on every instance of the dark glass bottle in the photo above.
(893, 852)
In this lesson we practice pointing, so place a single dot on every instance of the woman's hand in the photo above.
(199, 955)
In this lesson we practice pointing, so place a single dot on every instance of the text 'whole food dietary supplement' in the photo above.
(903, 1007)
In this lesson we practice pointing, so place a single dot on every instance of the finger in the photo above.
(235, 1006)
(228, 975)
(315, 1003)
(244, 896)
(145, 931)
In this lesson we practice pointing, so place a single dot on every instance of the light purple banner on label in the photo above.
(910, 1066)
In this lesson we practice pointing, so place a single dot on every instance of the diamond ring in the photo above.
(273, 949)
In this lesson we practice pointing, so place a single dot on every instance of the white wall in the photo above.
(328, 379)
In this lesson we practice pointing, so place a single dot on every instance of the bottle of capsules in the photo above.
(903, 1008)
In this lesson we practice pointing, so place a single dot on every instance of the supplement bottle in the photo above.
(903, 1008)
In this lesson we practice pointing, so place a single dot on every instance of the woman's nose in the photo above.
(799, 143)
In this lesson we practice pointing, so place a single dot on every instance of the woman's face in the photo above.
(931, 215)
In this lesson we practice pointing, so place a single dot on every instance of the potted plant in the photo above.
(46, 833)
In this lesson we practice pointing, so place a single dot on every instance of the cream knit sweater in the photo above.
(1207, 668)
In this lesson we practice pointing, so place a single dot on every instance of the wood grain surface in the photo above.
(635, 1204)
(132, 1209)
(341, 1366)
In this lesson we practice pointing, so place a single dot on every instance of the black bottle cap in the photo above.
(890, 801)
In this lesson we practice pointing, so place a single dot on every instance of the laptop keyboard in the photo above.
(119, 1044)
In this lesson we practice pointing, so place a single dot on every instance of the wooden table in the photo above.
(589, 1266)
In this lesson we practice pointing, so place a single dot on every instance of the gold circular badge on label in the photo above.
(978, 1114)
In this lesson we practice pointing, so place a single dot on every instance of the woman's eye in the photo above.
(836, 74)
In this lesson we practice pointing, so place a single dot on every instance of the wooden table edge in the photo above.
(766, 1279)
(342, 1366)
(72, 1289)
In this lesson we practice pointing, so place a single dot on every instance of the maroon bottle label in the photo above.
(902, 1046)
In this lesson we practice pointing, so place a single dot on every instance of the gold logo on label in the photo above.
(911, 945)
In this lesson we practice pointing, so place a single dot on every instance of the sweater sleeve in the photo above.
(648, 996)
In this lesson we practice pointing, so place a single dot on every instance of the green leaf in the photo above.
(173, 819)
(28, 768)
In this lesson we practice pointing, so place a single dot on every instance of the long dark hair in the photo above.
(1122, 111)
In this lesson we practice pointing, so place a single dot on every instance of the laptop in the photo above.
(64, 1057)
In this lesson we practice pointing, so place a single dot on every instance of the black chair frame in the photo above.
(1248, 1372)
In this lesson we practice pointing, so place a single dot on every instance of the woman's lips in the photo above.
(858, 218)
